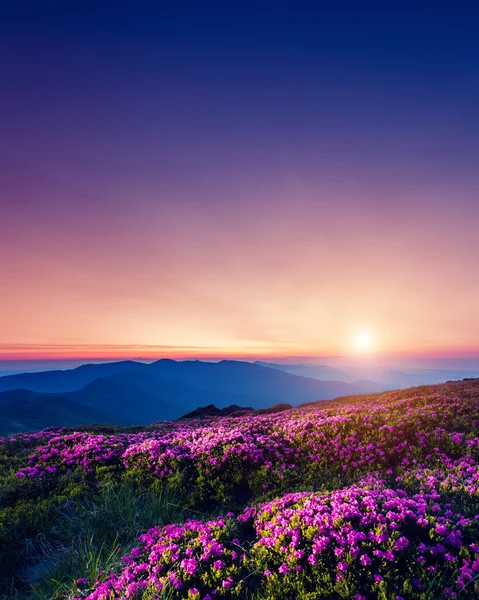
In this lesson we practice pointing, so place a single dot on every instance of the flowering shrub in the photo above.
(363, 541)
(302, 445)
(77, 450)
(370, 498)
(30, 438)
(183, 559)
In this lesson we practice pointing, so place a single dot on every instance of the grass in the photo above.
(78, 524)
(91, 535)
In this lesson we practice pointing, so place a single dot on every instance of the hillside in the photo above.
(136, 393)
(377, 493)
(374, 378)
(27, 411)
(66, 380)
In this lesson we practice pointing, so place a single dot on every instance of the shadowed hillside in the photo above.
(362, 487)
(135, 393)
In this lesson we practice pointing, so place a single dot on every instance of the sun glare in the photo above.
(362, 342)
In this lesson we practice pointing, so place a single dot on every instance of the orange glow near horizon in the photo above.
(298, 281)
(35, 353)
(259, 187)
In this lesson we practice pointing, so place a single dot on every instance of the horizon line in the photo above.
(111, 352)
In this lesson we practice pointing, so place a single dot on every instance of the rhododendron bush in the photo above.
(363, 541)
(370, 497)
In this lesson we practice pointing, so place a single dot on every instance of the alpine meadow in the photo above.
(239, 300)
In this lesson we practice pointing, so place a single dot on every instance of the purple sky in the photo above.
(238, 181)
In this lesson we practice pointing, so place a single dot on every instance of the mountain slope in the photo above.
(31, 411)
(231, 377)
(68, 379)
(321, 372)
(136, 393)
(142, 397)
(252, 379)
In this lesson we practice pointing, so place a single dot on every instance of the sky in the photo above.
(238, 179)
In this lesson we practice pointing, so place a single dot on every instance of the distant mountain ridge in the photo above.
(23, 411)
(68, 379)
(131, 392)
(373, 378)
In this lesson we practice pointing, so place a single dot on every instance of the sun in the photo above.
(362, 342)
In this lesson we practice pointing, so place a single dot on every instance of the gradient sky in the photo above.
(201, 179)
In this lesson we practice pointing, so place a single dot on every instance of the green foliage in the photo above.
(57, 529)
(52, 534)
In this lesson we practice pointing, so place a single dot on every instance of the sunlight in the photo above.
(362, 342)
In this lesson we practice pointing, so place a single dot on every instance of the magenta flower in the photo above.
(227, 583)
(401, 543)
(365, 560)
(441, 529)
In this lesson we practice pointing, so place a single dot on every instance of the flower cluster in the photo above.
(182, 559)
(361, 541)
(32, 437)
(394, 513)
(65, 453)
(304, 444)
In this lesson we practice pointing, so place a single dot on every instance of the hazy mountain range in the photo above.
(132, 392)
(383, 379)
